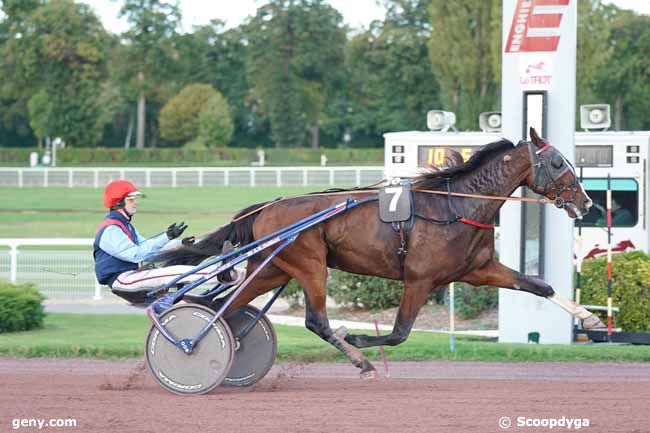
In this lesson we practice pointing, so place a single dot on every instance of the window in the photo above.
(625, 202)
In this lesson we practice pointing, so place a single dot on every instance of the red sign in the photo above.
(535, 26)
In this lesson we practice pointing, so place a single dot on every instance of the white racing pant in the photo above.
(153, 278)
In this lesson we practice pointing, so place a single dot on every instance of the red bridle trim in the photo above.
(543, 148)
(476, 224)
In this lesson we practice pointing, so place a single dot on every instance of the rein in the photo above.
(370, 189)
(487, 197)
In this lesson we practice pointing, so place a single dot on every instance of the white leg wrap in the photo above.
(571, 307)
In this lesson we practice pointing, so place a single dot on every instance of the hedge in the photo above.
(223, 156)
(20, 307)
(374, 293)
(630, 288)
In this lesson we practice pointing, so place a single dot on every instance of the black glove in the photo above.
(175, 230)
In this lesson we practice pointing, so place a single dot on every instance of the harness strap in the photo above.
(475, 224)
(114, 222)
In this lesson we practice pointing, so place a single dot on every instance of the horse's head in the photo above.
(553, 176)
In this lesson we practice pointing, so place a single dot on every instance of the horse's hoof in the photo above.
(368, 371)
(593, 322)
(369, 375)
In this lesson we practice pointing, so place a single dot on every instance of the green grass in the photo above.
(76, 212)
(122, 336)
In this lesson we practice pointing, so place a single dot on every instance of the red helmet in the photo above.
(117, 191)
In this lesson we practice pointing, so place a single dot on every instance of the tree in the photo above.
(461, 51)
(292, 69)
(197, 111)
(150, 54)
(53, 63)
(624, 80)
(213, 55)
(594, 49)
(215, 123)
(390, 83)
(14, 120)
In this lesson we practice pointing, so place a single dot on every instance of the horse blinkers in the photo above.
(548, 166)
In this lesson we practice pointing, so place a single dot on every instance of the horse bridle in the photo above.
(549, 165)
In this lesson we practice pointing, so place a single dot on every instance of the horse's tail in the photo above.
(238, 232)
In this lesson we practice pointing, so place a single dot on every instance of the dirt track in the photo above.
(116, 397)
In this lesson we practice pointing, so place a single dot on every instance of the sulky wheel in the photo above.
(201, 370)
(255, 352)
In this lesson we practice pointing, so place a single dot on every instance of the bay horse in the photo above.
(358, 242)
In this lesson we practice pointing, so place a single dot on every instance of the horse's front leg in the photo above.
(496, 274)
(413, 298)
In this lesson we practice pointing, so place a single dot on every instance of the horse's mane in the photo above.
(438, 178)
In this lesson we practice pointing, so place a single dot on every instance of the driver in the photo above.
(119, 249)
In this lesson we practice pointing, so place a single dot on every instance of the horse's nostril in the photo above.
(588, 203)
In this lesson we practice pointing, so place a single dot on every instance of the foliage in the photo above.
(215, 123)
(471, 301)
(364, 292)
(292, 70)
(630, 290)
(293, 294)
(624, 80)
(20, 307)
(390, 85)
(461, 53)
(180, 117)
(40, 111)
(292, 74)
(150, 58)
(594, 51)
(55, 59)
(197, 154)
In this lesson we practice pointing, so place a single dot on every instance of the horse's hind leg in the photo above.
(317, 322)
(310, 271)
(413, 298)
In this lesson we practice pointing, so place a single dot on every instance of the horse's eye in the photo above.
(557, 161)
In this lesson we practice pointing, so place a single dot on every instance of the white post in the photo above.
(174, 177)
(331, 177)
(45, 177)
(304, 177)
(452, 323)
(200, 177)
(98, 291)
(226, 177)
(121, 174)
(70, 178)
(20, 178)
(358, 177)
(96, 178)
(147, 178)
(278, 177)
(13, 267)
(253, 176)
(538, 34)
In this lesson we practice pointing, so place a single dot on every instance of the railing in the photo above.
(188, 177)
(58, 273)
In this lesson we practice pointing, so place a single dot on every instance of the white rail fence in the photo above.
(191, 177)
(61, 269)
